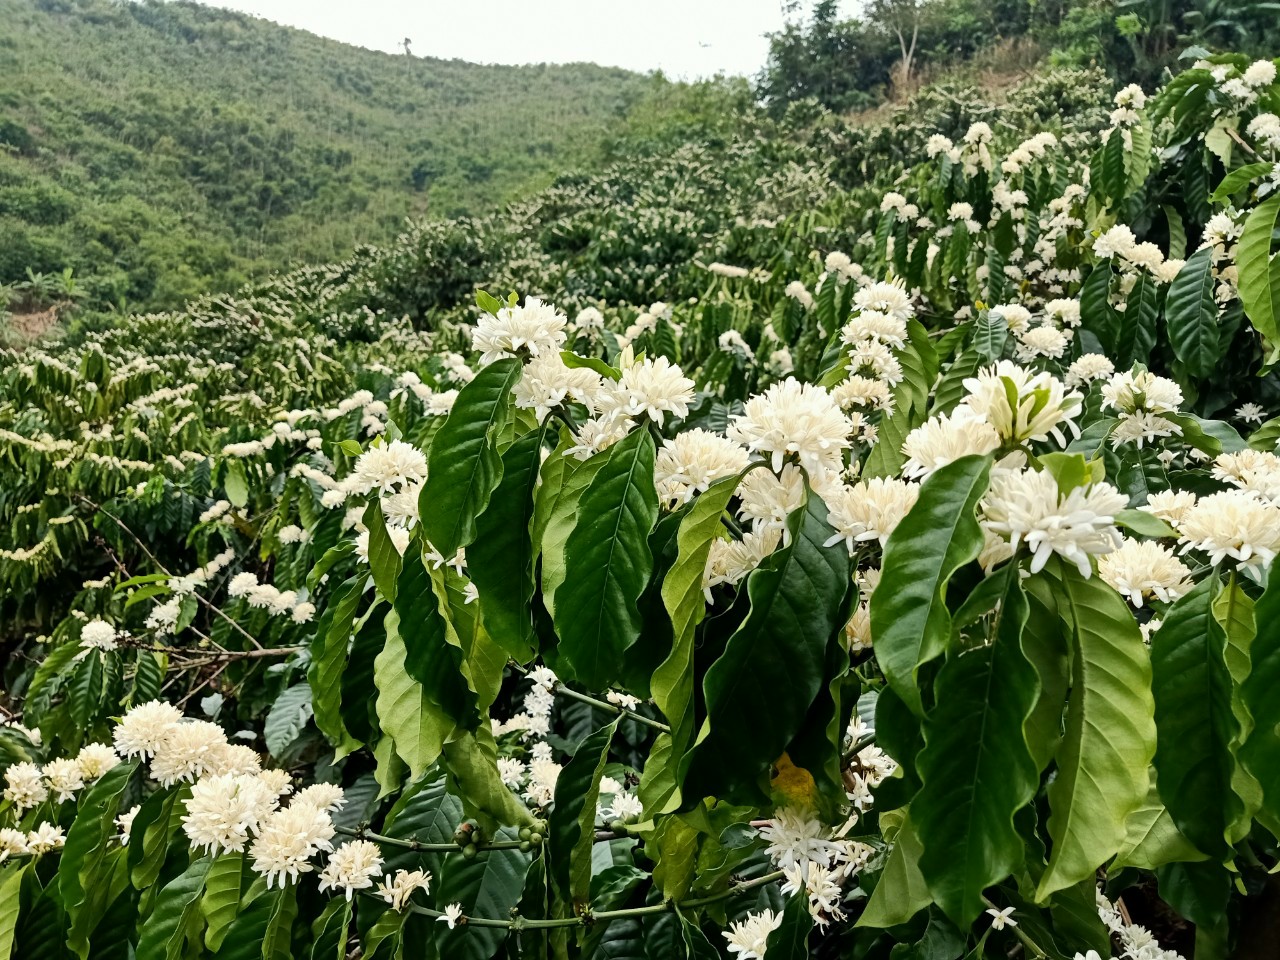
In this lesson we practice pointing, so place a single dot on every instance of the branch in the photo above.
(159, 566)
(560, 688)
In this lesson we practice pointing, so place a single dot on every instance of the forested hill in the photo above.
(161, 150)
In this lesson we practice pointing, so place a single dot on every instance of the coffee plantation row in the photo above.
(900, 583)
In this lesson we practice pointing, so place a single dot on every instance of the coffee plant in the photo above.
(902, 586)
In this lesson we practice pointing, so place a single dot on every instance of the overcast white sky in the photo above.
(684, 38)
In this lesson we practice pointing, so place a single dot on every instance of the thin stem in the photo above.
(219, 654)
(601, 836)
(859, 745)
(560, 688)
(590, 916)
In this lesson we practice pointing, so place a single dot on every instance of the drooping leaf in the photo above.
(1194, 722)
(1260, 752)
(81, 866)
(673, 681)
(433, 657)
(1152, 839)
(976, 767)
(909, 621)
(329, 659)
(500, 560)
(1259, 273)
(1191, 315)
(901, 892)
(759, 690)
(164, 932)
(573, 816)
(221, 901)
(1110, 733)
(416, 724)
(608, 563)
(464, 466)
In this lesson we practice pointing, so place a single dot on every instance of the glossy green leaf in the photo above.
(1259, 273)
(1152, 839)
(1191, 315)
(500, 561)
(673, 681)
(163, 934)
(608, 563)
(328, 661)
(464, 468)
(220, 904)
(909, 621)
(901, 892)
(1194, 722)
(487, 886)
(10, 905)
(976, 767)
(329, 932)
(417, 725)
(790, 941)
(384, 559)
(472, 764)
(433, 653)
(1110, 736)
(1260, 752)
(287, 718)
(759, 690)
(573, 816)
(82, 866)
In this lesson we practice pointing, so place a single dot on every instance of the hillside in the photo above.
(163, 150)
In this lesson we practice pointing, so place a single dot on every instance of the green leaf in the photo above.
(328, 661)
(673, 681)
(500, 560)
(773, 666)
(415, 723)
(1110, 734)
(235, 484)
(221, 902)
(1259, 277)
(10, 905)
(425, 812)
(555, 514)
(385, 930)
(487, 886)
(1144, 524)
(488, 303)
(989, 336)
(976, 767)
(1237, 178)
(287, 718)
(573, 361)
(608, 563)
(1177, 233)
(1136, 335)
(909, 621)
(464, 467)
(277, 940)
(573, 817)
(81, 867)
(329, 932)
(384, 558)
(790, 941)
(1151, 838)
(472, 764)
(1191, 315)
(433, 656)
(901, 892)
(1194, 722)
(163, 934)
(1260, 752)
(153, 829)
